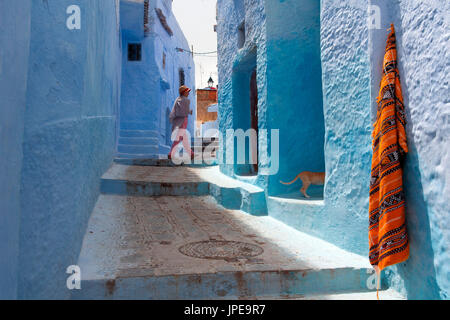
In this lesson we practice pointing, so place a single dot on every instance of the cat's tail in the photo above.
(288, 183)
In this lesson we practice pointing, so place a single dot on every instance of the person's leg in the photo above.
(174, 144)
(186, 142)
(180, 138)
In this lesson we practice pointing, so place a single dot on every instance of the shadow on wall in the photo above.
(418, 273)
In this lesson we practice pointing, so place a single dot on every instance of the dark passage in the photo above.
(254, 112)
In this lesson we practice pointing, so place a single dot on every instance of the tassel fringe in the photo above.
(378, 272)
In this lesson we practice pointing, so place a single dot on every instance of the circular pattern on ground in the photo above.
(220, 250)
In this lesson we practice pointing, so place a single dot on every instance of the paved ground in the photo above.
(190, 247)
(133, 236)
(178, 174)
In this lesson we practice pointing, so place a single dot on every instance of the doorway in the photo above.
(254, 114)
(245, 115)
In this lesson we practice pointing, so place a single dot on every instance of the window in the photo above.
(134, 52)
(182, 77)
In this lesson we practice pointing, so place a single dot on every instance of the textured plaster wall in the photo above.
(348, 124)
(352, 54)
(14, 50)
(341, 218)
(351, 60)
(231, 14)
(69, 138)
(422, 41)
(282, 40)
(149, 88)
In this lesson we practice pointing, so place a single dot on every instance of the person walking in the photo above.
(179, 119)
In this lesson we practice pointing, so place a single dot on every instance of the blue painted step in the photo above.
(159, 178)
(138, 133)
(122, 155)
(160, 161)
(141, 188)
(138, 149)
(138, 125)
(227, 285)
(138, 141)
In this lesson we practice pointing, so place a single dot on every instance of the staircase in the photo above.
(144, 144)
(161, 232)
(139, 144)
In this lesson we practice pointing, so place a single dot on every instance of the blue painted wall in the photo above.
(282, 41)
(287, 38)
(14, 50)
(149, 88)
(294, 89)
(235, 65)
(348, 124)
(63, 109)
(60, 103)
(421, 28)
(351, 60)
(353, 55)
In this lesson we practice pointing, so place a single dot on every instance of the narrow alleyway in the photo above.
(159, 232)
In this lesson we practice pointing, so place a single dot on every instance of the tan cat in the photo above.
(308, 178)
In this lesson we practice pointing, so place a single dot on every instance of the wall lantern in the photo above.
(211, 82)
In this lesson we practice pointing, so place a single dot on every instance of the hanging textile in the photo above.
(388, 238)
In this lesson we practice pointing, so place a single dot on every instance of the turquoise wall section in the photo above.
(294, 90)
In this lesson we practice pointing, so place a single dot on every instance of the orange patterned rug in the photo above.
(388, 238)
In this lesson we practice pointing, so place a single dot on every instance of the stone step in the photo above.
(189, 180)
(193, 248)
(162, 161)
(388, 294)
(138, 133)
(156, 162)
(142, 141)
(133, 156)
(138, 125)
(268, 284)
(138, 149)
